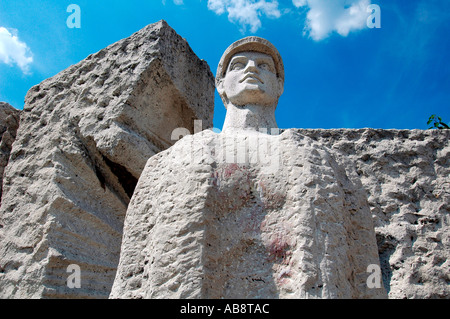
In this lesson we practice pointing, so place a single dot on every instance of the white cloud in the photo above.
(299, 3)
(12, 50)
(246, 12)
(327, 16)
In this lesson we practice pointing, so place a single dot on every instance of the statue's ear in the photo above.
(219, 87)
(221, 90)
(280, 87)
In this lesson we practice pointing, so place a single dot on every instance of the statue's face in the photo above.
(251, 78)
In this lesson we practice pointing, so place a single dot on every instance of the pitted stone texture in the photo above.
(9, 122)
(84, 138)
(281, 221)
(406, 176)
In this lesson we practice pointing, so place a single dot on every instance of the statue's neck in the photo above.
(250, 117)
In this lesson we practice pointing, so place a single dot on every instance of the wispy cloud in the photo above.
(247, 13)
(14, 51)
(325, 17)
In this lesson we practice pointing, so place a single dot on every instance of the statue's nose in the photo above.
(251, 66)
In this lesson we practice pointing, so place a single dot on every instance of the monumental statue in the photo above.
(248, 212)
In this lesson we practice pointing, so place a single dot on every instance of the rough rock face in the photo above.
(246, 216)
(84, 138)
(406, 176)
(9, 122)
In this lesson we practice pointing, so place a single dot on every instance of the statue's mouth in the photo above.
(251, 77)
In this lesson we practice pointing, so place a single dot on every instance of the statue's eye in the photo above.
(237, 66)
(266, 66)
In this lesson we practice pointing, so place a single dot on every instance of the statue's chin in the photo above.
(252, 96)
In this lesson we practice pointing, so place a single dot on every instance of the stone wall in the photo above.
(406, 176)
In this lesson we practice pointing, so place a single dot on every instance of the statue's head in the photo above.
(250, 72)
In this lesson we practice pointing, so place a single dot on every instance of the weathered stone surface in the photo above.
(406, 176)
(282, 221)
(84, 138)
(9, 122)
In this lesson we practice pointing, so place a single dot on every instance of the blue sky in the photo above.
(339, 72)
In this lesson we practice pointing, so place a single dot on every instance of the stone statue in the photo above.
(250, 80)
(245, 214)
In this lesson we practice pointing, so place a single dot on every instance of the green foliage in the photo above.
(437, 123)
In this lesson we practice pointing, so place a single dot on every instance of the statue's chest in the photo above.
(237, 187)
